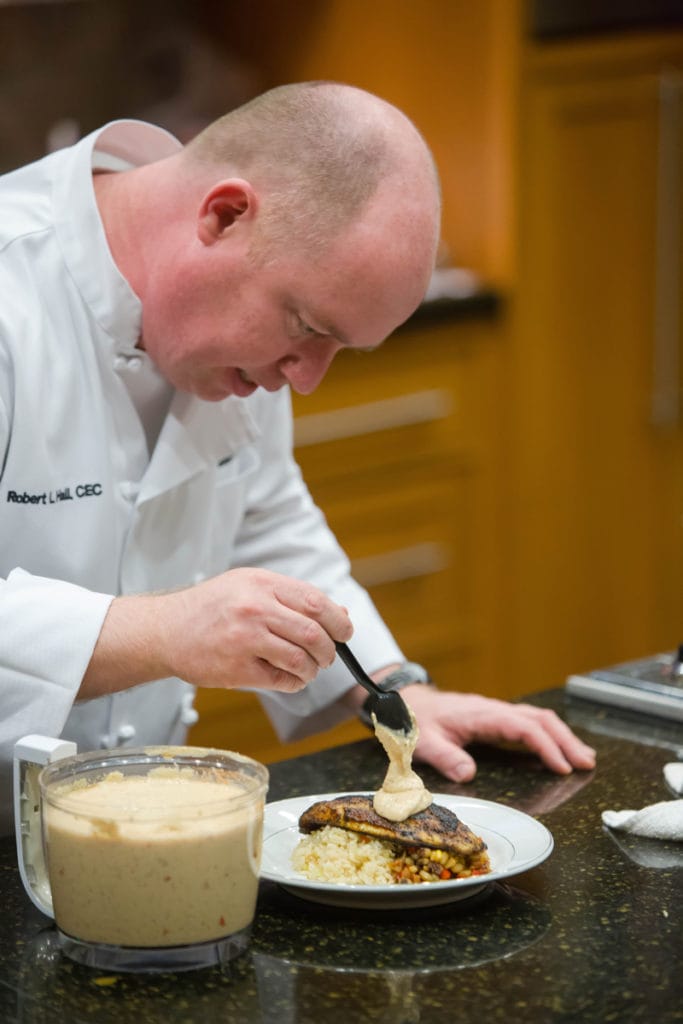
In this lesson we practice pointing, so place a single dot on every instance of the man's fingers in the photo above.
(540, 730)
(450, 722)
(310, 624)
(279, 679)
(251, 627)
(453, 762)
(288, 656)
(532, 735)
(555, 743)
(311, 603)
(297, 643)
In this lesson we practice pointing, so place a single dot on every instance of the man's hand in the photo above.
(448, 722)
(246, 627)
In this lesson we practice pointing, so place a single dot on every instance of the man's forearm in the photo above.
(130, 648)
(246, 627)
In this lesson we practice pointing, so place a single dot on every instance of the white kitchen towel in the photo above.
(658, 821)
(673, 773)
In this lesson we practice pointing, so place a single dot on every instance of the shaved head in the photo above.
(302, 223)
(319, 152)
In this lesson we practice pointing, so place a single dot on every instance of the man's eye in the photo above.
(306, 329)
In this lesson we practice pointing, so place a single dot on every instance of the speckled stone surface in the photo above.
(594, 934)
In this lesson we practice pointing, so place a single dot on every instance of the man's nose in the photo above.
(306, 368)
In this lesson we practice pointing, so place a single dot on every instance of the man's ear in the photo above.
(226, 203)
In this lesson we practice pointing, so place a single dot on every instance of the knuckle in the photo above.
(310, 633)
(526, 733)
(299, 664)
(345, 630)
(286, 682)
(547, 717)
(314, 601)
(296, 661)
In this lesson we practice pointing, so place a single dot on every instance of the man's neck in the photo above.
(121, 212)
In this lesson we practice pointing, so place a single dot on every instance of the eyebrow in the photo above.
(327, 327)
(334, 332)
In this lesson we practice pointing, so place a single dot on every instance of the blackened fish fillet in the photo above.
(436, 827)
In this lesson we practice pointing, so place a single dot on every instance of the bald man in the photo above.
(156, 533)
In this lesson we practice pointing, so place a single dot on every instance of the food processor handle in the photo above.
(30, 755)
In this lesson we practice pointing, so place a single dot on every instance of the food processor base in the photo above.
(155, 959)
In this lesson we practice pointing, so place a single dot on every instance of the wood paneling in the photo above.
(451, 65)
(597, 530)
(543, 503)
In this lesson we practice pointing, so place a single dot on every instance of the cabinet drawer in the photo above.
(360, 419)
(375, 512)
(389, 457)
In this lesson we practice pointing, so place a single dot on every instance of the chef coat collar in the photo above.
(79, 227)
(194, 433)
(195, 436)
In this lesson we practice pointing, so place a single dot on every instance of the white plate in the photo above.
(515, 841)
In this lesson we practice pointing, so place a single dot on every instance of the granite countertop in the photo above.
(591, 935)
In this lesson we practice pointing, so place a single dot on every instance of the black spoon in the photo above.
(388, 706)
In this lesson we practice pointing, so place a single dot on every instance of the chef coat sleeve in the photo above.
(283, 530)
(48, 630)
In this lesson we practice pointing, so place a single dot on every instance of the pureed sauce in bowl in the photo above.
(169, 857)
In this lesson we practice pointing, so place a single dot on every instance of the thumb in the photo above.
(451, 760)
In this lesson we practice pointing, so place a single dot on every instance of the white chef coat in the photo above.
(86, 513)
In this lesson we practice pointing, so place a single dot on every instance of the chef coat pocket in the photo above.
(234, 468)
(226, 507)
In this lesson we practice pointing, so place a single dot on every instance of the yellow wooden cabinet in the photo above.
(595, 473)
(510, 489)
(398, 448)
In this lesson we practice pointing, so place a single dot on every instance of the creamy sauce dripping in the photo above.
(403, 792)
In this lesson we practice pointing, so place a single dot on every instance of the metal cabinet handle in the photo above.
(370, 417)
(666, 375)
(400, 564)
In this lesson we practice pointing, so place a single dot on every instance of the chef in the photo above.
(159, 303)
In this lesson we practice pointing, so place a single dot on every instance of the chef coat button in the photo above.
(126, 732)
(134, 363)
(129, 490)
(188, 716)
(120, 363)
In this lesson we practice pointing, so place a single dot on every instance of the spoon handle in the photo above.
(356, 670)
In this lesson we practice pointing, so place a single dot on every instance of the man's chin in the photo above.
(216, 387)
(213, 394)
(206, 390)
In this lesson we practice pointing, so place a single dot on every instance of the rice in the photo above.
(332, 854)
(336, 855)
